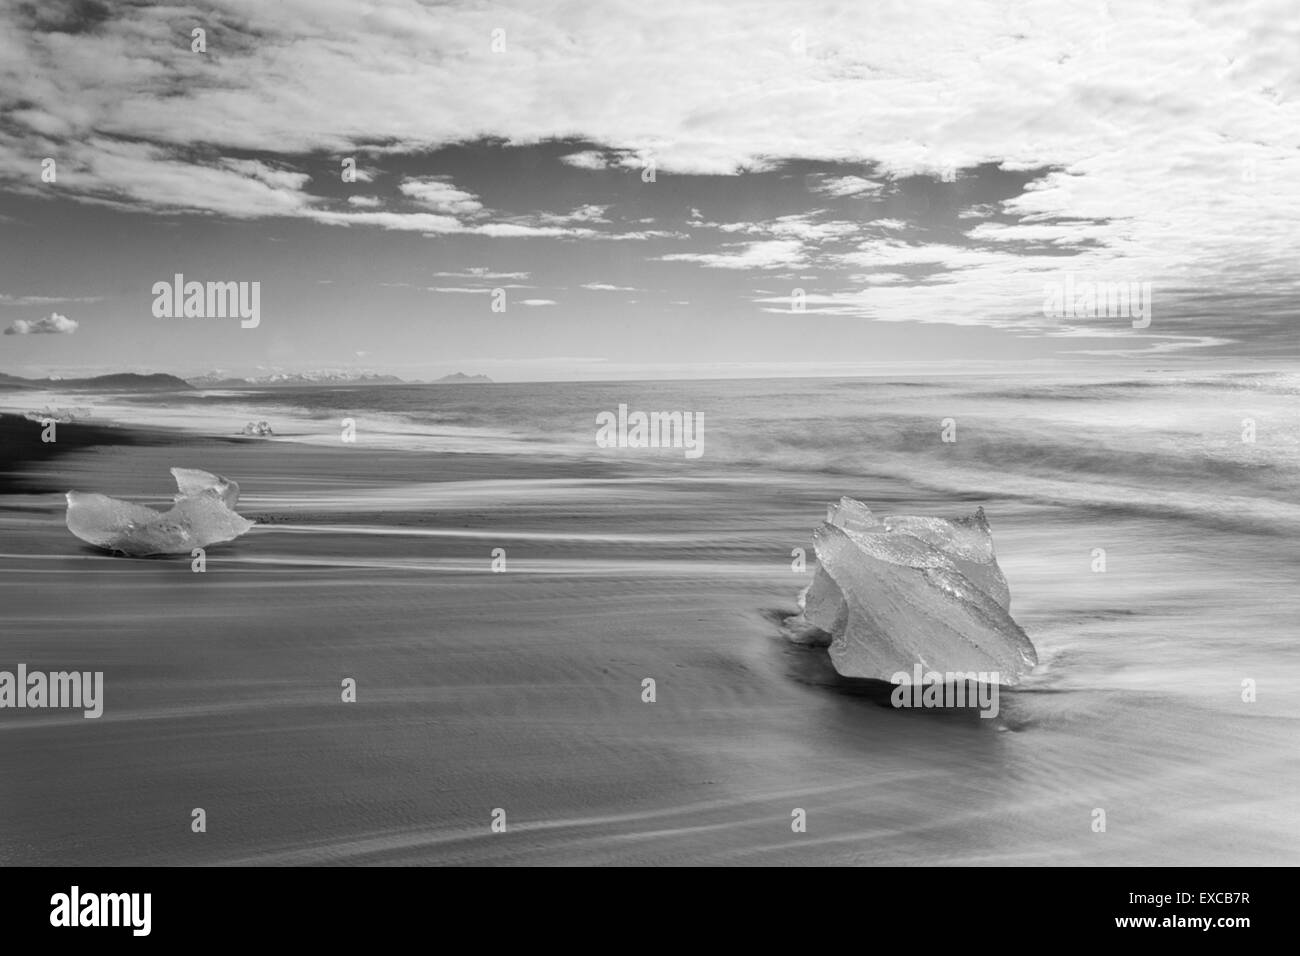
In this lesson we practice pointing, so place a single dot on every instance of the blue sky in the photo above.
(921, 171)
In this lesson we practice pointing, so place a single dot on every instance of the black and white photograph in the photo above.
(610, 434)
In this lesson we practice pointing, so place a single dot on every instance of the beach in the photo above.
(512, 680)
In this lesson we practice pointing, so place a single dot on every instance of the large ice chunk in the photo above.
(894, 592)
(202, 516)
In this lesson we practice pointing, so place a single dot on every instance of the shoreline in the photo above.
(519, 687)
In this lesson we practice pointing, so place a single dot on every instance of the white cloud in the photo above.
(606, 287)
(979, 211)
(438, 195)
(523, 230)
(587, 159)
(481, 272)
(583, 214)
(424, 222)
(141, 175)
(770, 254)
(274, 176)
(537, 302)
(803, 226)
(1175, 130)
(6, 299)
(52, 324)
(848, 186)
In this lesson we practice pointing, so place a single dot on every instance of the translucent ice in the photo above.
(202, 516)
(897, 591)
(192, 481)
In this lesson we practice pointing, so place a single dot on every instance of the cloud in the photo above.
(6, 299)
(848, 186)
(606, 287)
(803, 226)
(435, 193)
(587, 213)
(423, 222)
(52, 324)
(587, 159)
(481, 272)
(365, 202)
(1170, 135)
(277, 177)
(537, 302)
(771, 254)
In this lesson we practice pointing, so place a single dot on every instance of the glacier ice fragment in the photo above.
(192, 481)
(897, 591)
(202, 515)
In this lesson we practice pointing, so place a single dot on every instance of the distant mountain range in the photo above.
(122, 381)
(289, 379)
(326, 377)
(158, 382)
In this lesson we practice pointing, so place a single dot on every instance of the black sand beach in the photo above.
(521, 690)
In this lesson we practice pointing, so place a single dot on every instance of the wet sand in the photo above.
(522, 690)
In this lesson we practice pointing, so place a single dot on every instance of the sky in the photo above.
(652, 190)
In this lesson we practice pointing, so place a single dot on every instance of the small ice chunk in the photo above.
(905, 590)
(202, 516)
(192, 481)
